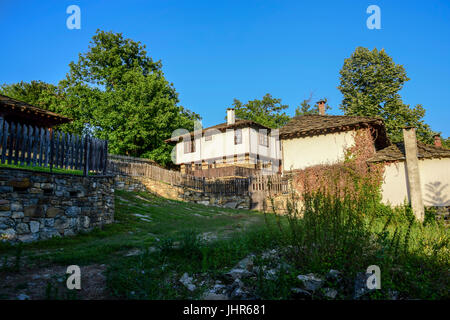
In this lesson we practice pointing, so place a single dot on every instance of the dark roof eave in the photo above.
(15, 107)
(221, 127)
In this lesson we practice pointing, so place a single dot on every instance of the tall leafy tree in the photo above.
(123, 95)
(268, 111)
(370, 82)
(305, 107)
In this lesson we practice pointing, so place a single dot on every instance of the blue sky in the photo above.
(214, 51)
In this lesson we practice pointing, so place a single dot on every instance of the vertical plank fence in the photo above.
(27, 145)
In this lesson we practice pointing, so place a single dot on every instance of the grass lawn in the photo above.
(142, 221)
(40, 169)
(155, 241)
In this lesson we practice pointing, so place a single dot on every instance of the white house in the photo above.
(241, 143)
(311, 140)
(433, 166)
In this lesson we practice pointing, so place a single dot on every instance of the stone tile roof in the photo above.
(317, 124)
(396, 152)
(311, 125)
(223, 127)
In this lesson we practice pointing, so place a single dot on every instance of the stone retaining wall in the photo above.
(182, 194)
(40, 205)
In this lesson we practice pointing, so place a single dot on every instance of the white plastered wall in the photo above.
(300, 153)
(434, 180)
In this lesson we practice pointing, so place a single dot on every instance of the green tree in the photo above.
(267, 111)
(42, 95)
(370, 82)
(123, 95)
(35, 92)
(446, 142)
(305, 107)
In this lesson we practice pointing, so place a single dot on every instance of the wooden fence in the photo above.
(273, 184)
(231, 171)
(131, 166)
(28, 145)
(235, 186)
(138, 167)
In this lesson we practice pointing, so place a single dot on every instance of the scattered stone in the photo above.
(333, 275)
(330, 293)
(215, 296)
(271, 274)
(238, 293)
(310, 281)
(23, 296)
(231, 204)
(133, 252)
(187, 282)
(247, 263)
(208, 236)
(139, 215)
(393, 295)
(237, 273)
(298, 293)
(361, 288)
(270, 254)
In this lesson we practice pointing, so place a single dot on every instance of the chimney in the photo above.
(437, 141)
(321, 104)
(230, 116)
(413, 174)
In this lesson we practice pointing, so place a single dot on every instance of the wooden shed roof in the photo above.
(396, 152)
(15, 110)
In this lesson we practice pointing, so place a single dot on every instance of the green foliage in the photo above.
(446, 142)
(267, 111)
(123, 94)
(305, 107)
(46, 96)
(114, 91)
(36, 93)
(370, 83)
(327, 232)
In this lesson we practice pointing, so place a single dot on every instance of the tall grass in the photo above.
(351, 230)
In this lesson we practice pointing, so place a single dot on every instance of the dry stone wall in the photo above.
(39, 205)
(168, 191)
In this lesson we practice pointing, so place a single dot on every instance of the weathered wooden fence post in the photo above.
(51, 149)
(86, 156)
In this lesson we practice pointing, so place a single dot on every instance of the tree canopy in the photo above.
(115, 91)
(305, 107)
(268, 111)
(370, 82)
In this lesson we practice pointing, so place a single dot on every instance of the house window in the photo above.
(238, 136)
(263, 138)
(208, 136)
(189, 146)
